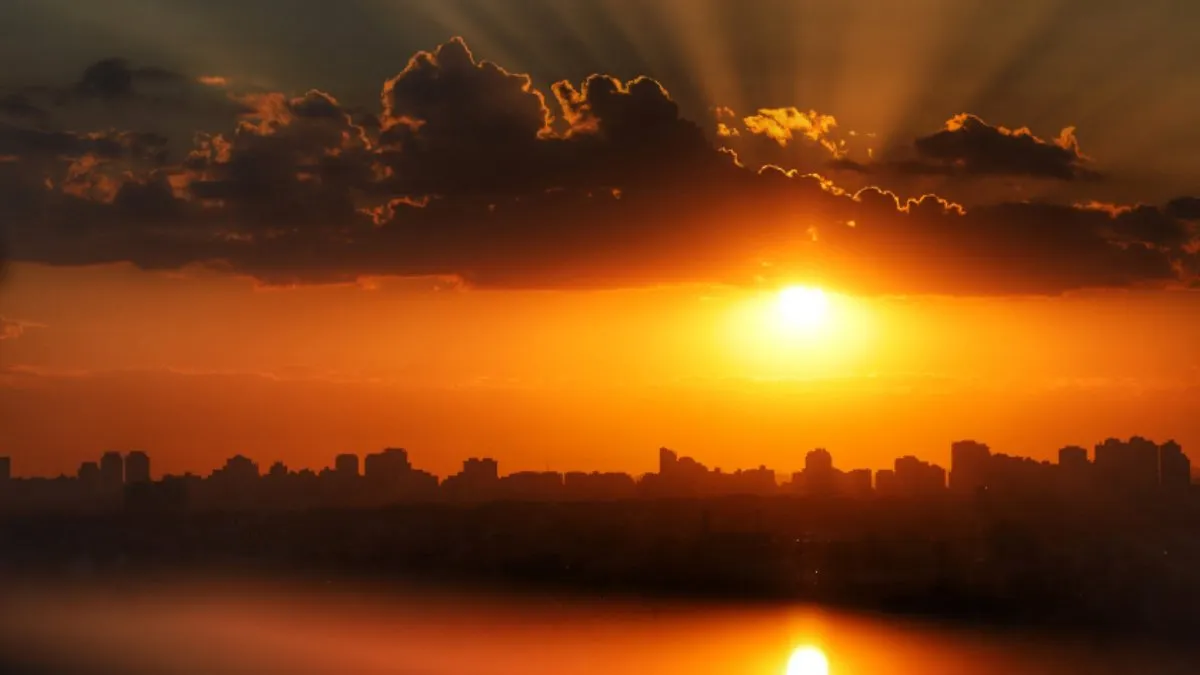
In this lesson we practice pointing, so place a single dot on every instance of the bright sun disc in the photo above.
(807, 661)
(803, 307)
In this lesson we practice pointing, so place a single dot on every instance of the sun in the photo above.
(807, 661)
(803, 307)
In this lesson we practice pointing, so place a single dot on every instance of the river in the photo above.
(227, 628)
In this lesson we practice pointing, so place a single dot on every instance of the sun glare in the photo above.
(798, 332)
(803, 307)
(807, 661)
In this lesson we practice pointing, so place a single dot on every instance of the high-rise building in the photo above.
(818, 460)
(667, 461)
(1175, 469)
(533, 485)
(858, 483)
(346, 465)
(485, 469)
(917, 478)
(933, 479)
(1073, 457)
(112, 472)
(478, 480)
(581, 486)
(5, 469)
(819, 477)
(387, 466)
(1128, 465)
(239, 468)
(885, 483)
(1074, 469)
(1144, 458)
(137, 467)
(88, 476)
(969, 462)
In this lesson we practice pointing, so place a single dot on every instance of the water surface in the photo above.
(245, 628)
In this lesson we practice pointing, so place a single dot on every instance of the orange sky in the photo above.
(559, 238)
(196, 366)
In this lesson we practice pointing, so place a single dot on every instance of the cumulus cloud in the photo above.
(969, 146)
(467, 170)
(782, 125)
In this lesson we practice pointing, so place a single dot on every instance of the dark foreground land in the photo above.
(1134, 571)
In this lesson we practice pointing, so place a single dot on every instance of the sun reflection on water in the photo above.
(807, 661)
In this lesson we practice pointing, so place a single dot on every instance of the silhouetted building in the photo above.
(1135, 468)
(969, 466)
(169, 496)
(1175, 469)
(485, 470)
(1074, 468)
(137, 467)
(112, 472)
(818, 460)
(857, 483)
(596, 486)
(390, 477)
(760, 481)
(88, 476)
(346, 465)
(1073, 458)
(1128, 466)
(1019, 476)
(478, 480)
(533, 485)
(667, 461)
(5, 469)
(885, 483)
(679, 477)
(915, 478)
(387, 467)
(239, 468)
(819, 478)
(236, 484)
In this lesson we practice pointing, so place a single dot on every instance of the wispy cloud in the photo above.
(11, 329)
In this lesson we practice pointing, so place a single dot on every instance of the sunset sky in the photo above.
(556, 231)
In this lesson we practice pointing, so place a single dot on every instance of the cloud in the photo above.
(468, 171)
(19, 106)
(115, 78)
(11, 329)
(118, 86)
(452, 124)
(34, 143)
(969, 146)
(782, 125)
(1187, 208)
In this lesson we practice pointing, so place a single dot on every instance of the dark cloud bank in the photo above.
(467, 169)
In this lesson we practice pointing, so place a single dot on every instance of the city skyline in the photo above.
(6, 461)
(1138, 465)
